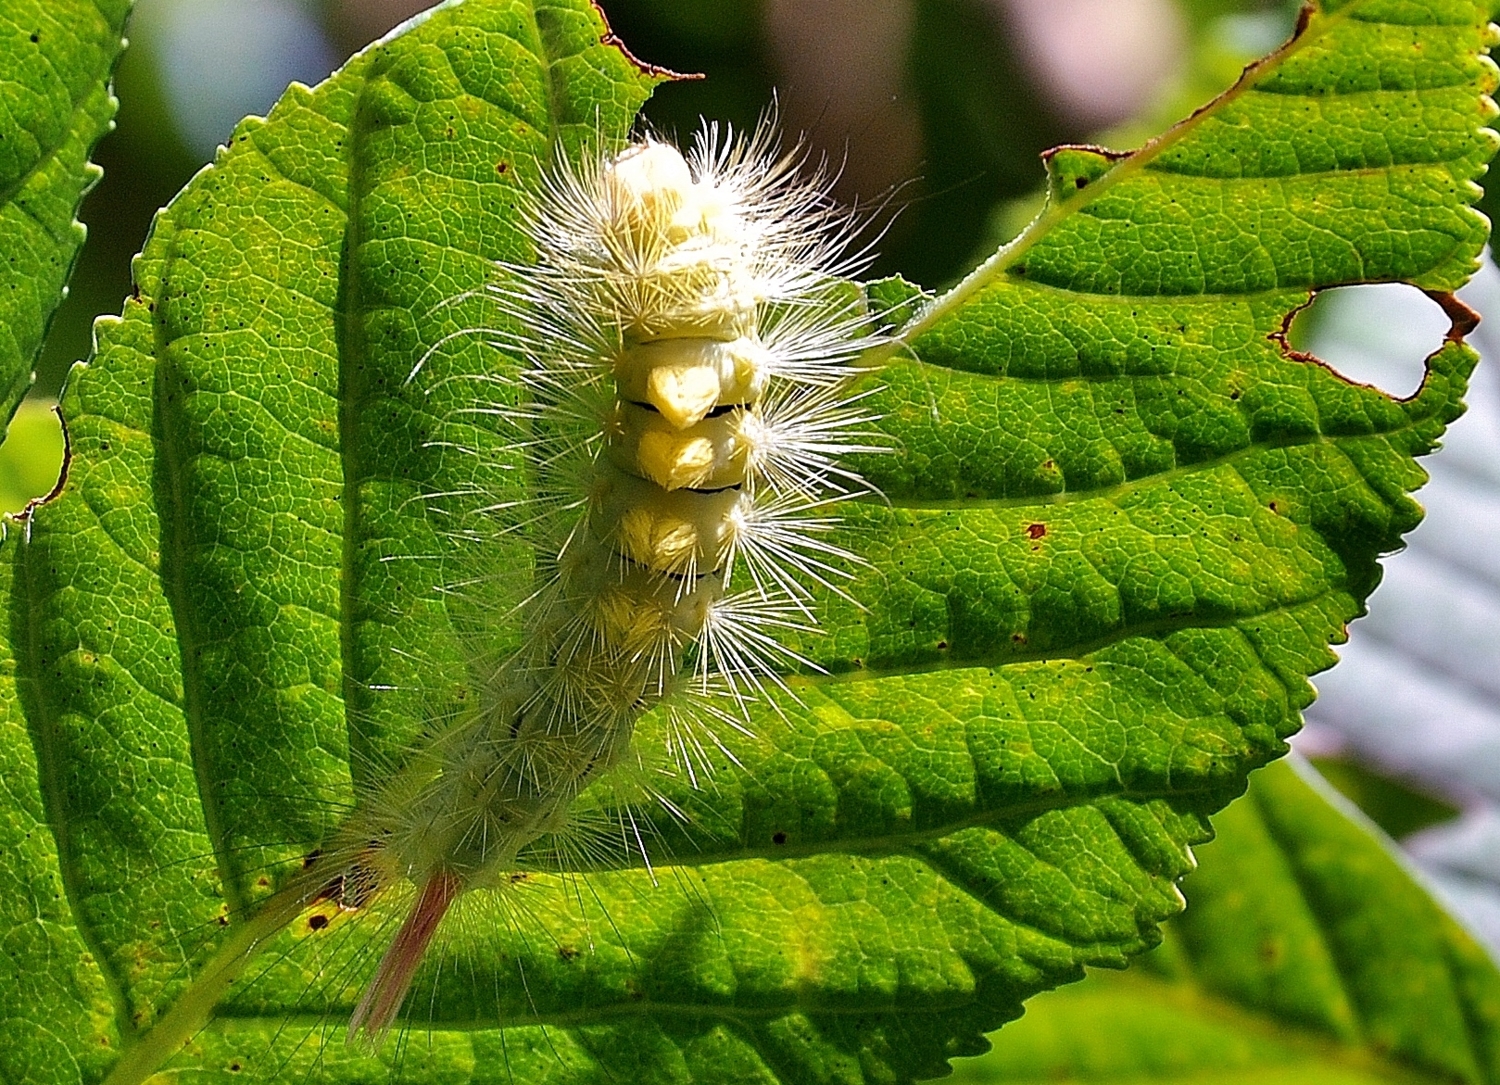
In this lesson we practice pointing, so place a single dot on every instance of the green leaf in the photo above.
(1398, 808)
(55, 60)
(1308, 953)
(1121, 527)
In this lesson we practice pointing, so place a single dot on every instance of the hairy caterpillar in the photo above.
(682, 406)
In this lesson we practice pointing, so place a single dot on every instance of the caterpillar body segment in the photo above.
(684, 401)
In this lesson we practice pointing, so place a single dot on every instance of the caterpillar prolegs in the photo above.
(682, 409)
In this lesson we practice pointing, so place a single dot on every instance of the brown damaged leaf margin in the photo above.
(1092, 148)
(655, 71)
(1462, 320)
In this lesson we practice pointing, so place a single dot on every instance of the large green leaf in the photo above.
(55, 60)
(1120, 530)
(1308, 953)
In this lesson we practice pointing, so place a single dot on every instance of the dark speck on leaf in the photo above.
(36, 36)
(778, 837)
(1035, 531)
(1080, 182)
(317, 922)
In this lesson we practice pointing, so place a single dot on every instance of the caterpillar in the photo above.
(688, 344)
(684, 406)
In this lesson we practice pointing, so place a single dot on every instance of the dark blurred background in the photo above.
(937, 111)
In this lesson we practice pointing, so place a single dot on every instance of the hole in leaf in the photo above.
(32, 456)
(1378, 334)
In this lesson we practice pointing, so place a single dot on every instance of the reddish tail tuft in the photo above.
(383, 997)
